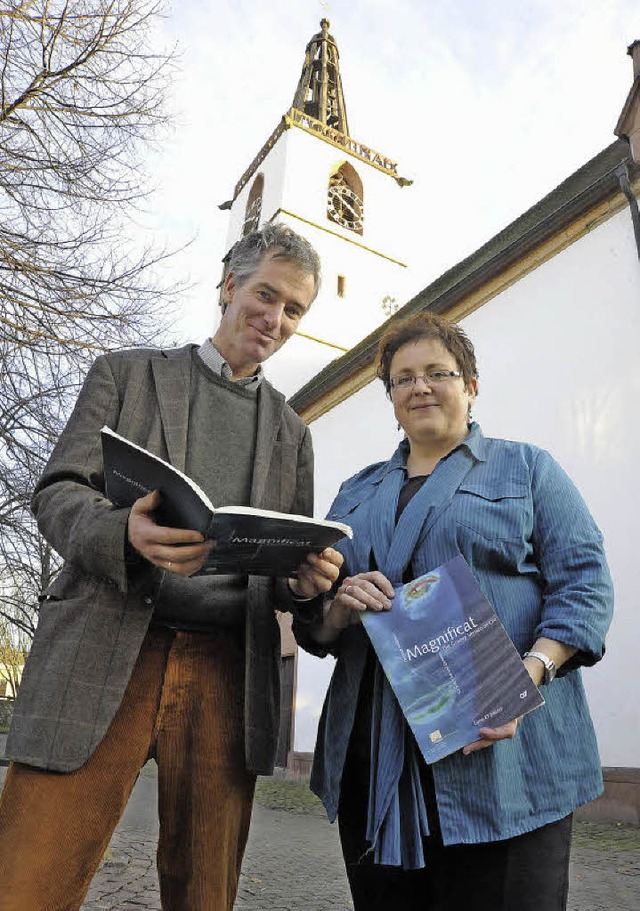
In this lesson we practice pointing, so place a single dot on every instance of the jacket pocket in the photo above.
(498, 510)
(69, 583)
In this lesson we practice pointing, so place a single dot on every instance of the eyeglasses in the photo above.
(407, 381)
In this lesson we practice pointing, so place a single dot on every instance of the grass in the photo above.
(612, 836)
(285, 794)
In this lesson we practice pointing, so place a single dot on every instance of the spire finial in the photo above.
(319, 93)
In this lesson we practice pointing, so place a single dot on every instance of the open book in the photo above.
(449, 660)
(248, 540)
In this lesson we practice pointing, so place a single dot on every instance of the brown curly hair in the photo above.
(426, 325)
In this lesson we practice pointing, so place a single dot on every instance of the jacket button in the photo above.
(148, 599)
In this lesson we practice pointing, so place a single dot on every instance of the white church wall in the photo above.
(559, 367)
(369, 275)
(296, 175)
(311, 161)
(558, 362)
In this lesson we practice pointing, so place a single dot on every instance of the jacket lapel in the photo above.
(394, 545)
(270, 408)
(436, 495)
(172, 377)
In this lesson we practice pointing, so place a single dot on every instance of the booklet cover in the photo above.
(449, 660)
(248, 541)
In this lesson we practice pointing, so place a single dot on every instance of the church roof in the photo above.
(628, 125)
(590, 185)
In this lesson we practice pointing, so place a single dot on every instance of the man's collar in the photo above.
(215, 361)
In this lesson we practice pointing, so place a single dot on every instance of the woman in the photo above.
(488, 827)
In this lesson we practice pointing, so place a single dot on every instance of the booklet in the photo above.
(248, 541)
(449, 660)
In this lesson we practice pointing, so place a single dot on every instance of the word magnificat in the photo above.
(132, 481)
(269, 542)
(450, 635)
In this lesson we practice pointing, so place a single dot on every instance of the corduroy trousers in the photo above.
(184, 707)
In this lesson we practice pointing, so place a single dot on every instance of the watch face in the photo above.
(345, 208)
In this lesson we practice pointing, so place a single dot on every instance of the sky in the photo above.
(486, 104)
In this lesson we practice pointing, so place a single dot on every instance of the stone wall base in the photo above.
(299, 765)
(619, 803)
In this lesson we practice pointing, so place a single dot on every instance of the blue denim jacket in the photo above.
(529, 538)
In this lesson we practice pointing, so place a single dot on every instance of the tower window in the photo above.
(342, 286)
(345, 200)
(254, 206)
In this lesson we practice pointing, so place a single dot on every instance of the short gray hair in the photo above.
(247, 254)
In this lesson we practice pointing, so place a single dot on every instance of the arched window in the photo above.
(345, 198)
(254, 206)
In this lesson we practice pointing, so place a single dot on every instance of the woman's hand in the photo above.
(489, 736)
(365, 591)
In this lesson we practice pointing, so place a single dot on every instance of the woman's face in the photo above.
(430, 412)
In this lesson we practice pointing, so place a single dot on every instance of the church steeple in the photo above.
(319, 92)
(313, 175)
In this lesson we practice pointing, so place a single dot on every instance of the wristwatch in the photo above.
(549, 666)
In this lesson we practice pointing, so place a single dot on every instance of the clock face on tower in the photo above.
(344, 207)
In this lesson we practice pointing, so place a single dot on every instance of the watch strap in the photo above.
(549, 666)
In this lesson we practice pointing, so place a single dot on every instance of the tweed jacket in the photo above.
(95, 614)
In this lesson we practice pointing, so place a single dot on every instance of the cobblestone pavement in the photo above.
(293, 863)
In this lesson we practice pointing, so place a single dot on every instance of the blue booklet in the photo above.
(449, 660)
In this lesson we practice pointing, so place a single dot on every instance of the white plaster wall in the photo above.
(558, 360)
(369, 277)
(310, 163)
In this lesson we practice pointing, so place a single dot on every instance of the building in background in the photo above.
(552, 304)
(345, 197)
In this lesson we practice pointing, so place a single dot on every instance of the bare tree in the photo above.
(14, 647)
(81, 92)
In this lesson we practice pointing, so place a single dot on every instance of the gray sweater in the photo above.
(220, 454)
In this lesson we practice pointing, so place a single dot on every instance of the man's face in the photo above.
(262, 313)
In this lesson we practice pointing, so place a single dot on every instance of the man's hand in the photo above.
(317, 573)
(175, 549)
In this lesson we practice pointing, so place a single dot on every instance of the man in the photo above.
(133, 658)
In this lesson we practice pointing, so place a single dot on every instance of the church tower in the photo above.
(340, 194)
